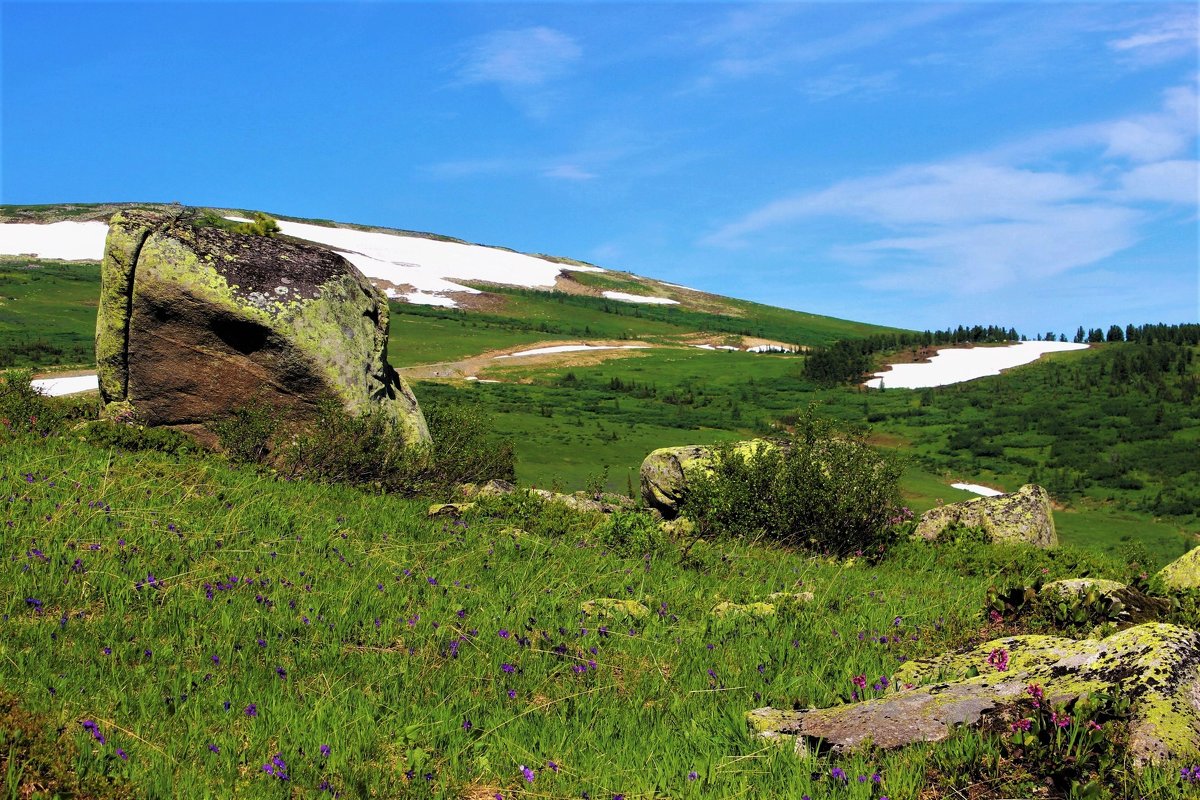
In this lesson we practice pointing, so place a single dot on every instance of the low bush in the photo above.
(820, 489)
(246, 435)
(135, 438)
(366, 451)
(23, 409)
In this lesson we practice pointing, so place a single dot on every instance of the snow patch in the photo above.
(68, 241)
(956, 364)
(771, 348)
(717, 347)
(986, 491)
(57, 387)
(640, 298)
(573, 348)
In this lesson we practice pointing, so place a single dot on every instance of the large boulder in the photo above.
(1021, 516)
(666, 472)
(1155, 666)
(197, 321)
(1182, 574)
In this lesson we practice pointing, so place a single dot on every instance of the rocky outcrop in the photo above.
(1182, 574)
(195, 322)
(666, 472)
(1021, 516)
(1156, 666)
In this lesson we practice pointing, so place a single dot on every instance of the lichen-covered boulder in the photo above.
(665, 472)
(1183, 573)
(196, 321)
(1156, 666)
(1021, 516)
(761, 608)
(611, 606)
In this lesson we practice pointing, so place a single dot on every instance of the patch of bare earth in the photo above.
(476, 366)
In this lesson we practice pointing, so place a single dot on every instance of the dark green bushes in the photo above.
(819, 490)
(366, 450)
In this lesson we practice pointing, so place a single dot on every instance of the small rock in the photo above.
(608, 606)
(449, 509)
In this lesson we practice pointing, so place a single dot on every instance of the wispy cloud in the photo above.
(763, 41)
(524, 64)
(520, 58)
(984, 221)
(1167, 36)
(568, 172)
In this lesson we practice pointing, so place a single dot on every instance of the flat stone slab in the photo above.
(1155, 665)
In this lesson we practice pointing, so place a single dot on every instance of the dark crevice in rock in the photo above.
(128, 315)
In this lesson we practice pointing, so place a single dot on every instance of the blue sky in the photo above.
(923, 165)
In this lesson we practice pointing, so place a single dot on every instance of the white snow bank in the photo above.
(69, 241)
(572, 348)
(955, 364)
(430, 266)
(677, 286)
(426, 264)
(986, 491)
(640, 298)
(56, 387)
(717, 347)
(770, 348)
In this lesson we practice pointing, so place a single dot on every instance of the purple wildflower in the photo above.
(527, 773)
(251, 710)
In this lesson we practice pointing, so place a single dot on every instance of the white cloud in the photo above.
(982, 222)
(524, 58)
(1164, 182)
(568, 172)
(1169, 35)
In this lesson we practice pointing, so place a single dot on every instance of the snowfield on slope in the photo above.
(67, 241)
(429, 266)
(573, 348)
(958, 364)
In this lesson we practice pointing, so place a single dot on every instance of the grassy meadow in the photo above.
(173, 626)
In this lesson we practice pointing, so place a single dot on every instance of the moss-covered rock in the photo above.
(1021, 516)
(1182, 574)
(774, 602)
(610, 606)
(665, 473)
(1156, 666)
(197, 321)
(1078, 587)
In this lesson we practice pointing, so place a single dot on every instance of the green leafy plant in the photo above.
(821, 489)
(246, 435)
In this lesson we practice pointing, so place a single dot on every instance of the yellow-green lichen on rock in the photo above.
(610, 606)
(197, 321)
(665, 473)
(1182, 574)
(1021, 516)
(774, 602)
(1155, 665)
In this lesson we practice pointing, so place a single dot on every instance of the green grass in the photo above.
(144, 593)
(47, 312)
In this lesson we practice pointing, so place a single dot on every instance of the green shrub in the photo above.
(246, 435)
(24, 409)
(261, 224)
(536, 515)
(357, 450)
(135, 438)
(366, 451)
(825, 491)
(630, 533)
(465, 448)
